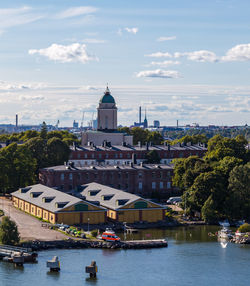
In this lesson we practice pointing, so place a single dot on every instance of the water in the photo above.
(192, 258)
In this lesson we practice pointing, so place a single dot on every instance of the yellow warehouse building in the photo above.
(57, 207)
(123, 206)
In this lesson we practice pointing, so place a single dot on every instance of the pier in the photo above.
(17, 255)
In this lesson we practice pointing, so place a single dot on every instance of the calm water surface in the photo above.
(192, 258)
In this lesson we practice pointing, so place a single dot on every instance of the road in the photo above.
(29, 227)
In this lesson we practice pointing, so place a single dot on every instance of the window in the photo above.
(100, 156)
(119, 175)
(62, 177)
(86, 163)
(78, 155)
(85, 155)
(116, 155)
(70, 187)
(181, 155)
(161, 185)
(126, 175)
(160, 175)
(119, 186)
(140, 185)
(87, 176)
(71, 176)
(128, 155)
(107, 155)
(168, 174)
(93, 155)
(168, 185)
(139, 175)
(153, 174)
(153, 185)
(120, 155)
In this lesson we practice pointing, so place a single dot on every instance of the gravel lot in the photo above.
(29, 227)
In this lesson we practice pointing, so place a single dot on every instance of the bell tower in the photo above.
(107, 113)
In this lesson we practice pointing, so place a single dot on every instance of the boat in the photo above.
(225, 233)
(224, 223)
(109, 235)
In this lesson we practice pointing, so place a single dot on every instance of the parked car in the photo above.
(174, 200)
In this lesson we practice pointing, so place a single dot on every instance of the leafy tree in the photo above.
(139, 135)
(8, 232)
(155, 138)
(244, 228)
(58, 151)
(238, 201)
(44, 131)
(153, 157)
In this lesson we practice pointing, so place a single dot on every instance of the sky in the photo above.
(185, 60)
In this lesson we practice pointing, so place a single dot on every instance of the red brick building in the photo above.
(147, 180)
(118, 155)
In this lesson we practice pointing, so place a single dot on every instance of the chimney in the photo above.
(16, 120)
(134, 158)
(140, 114)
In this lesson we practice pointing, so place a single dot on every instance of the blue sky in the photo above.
(186, 60)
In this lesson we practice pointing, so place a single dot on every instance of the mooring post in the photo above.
(91, 269)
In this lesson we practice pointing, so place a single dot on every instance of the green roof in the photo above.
(107, 97)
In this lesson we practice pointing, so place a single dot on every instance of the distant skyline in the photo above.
(185, 60)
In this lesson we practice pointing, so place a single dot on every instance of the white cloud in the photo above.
(238, 53)
(76, 11)
(31, 97)
(199, 56)
(160, 55)
(12, 17)
(165, 63)
(7, 86)
(88, 87)
(163, 39)
(158, 73)
(131, 30)
(72, 53)
(93, 41)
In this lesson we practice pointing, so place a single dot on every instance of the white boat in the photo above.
(225, 233)
(224, 223)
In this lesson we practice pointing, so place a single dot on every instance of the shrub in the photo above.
(94, 232)
(244, 228)
(8, 231)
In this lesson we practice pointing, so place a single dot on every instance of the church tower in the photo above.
(107, 113)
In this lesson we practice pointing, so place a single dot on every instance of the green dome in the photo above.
(107, 97)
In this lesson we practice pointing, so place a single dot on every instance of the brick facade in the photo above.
(146, 180)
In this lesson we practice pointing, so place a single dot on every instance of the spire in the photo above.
(145, 114)
(107, 89)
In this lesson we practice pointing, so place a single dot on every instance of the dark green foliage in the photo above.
(244, 228)
(8, 232)
(58, 151)
(17, 167)
(44, 131)
(218, 185)
(20, 163)
(153, 157)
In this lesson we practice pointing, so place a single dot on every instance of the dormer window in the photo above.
(93, 192)
(35, 194)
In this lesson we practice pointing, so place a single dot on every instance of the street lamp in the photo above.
(88, 225)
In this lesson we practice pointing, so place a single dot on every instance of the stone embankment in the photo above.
(78, 244)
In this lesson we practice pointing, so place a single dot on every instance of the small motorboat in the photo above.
(225, 233)
(224, 223)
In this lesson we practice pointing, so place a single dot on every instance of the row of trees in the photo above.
(217, 186)
(143, 135)
(20, 163)
(209, 133)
